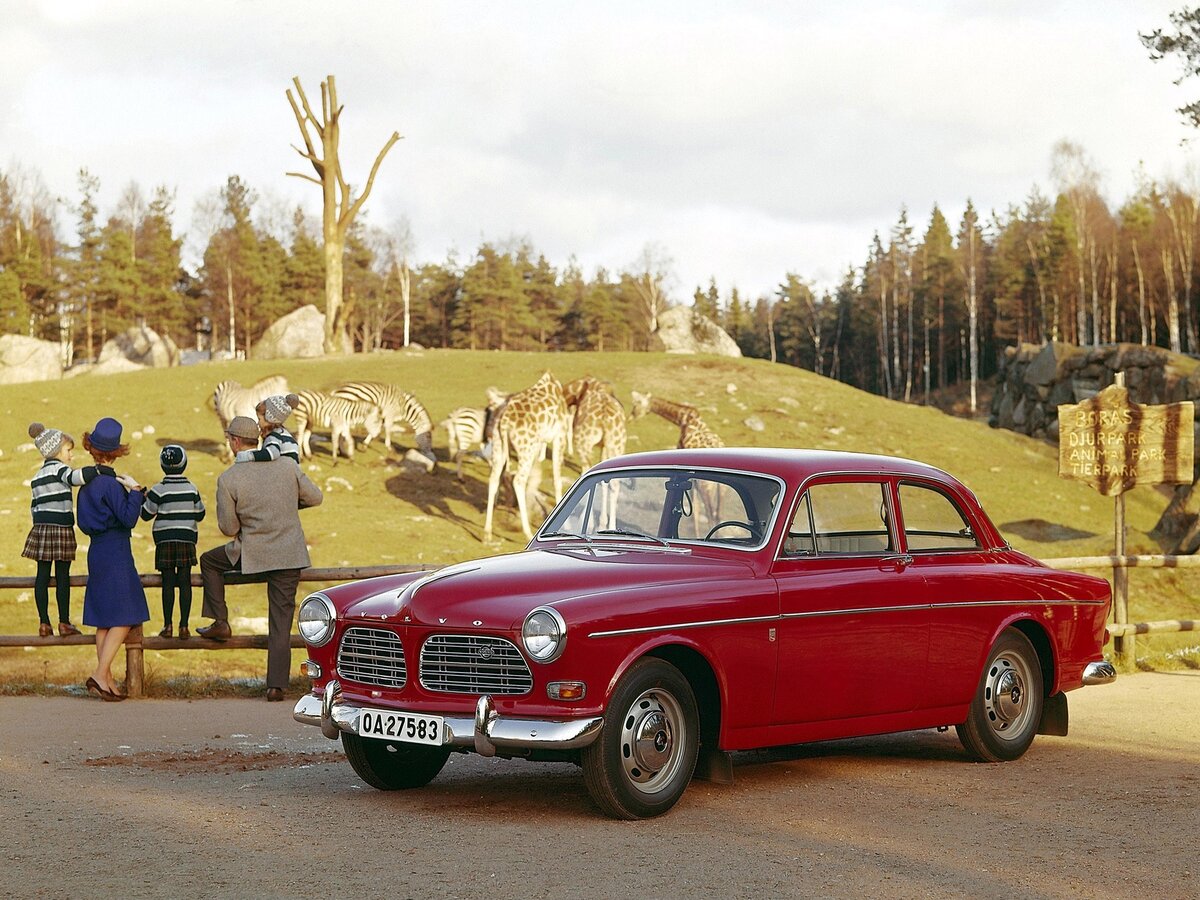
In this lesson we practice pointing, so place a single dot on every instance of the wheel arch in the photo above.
(703, 680)
(1037, 635)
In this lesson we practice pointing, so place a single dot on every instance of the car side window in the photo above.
(799, 540)
(933, 521)
(850, 517)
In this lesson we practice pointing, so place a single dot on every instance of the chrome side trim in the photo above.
(491, 731)
(1099, 672)
(860, 610)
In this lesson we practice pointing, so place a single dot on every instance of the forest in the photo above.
(931, 304)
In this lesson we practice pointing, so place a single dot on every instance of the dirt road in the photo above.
(231, 798)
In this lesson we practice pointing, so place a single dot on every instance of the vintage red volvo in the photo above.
(679, 605)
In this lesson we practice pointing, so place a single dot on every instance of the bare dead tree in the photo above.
(339, 205)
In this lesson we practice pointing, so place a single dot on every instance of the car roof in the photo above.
(791, 464)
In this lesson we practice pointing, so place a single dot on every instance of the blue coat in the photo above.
(107, 513)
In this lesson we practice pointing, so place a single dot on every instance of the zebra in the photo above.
(466, 427)
(230, 399)
(339, 415)
(394, 405)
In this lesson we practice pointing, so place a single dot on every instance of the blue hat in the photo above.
(173, 459)
(106, 436)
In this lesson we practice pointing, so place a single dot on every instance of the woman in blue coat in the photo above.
(114, 600)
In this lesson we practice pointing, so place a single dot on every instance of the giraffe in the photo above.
(693, 431)
(525, 424)
(598, 422)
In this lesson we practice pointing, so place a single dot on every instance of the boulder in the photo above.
(298, 335)
(143, 346)
(28, 359)
(683, 330)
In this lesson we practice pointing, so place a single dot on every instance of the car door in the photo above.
(963, 588)
(853, 633)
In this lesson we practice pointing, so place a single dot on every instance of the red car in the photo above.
(680, 605)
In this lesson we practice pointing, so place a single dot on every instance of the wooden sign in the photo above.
(1113, 443)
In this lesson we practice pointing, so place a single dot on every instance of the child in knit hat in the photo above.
(277, 441)
(51, 541)
(176, 507)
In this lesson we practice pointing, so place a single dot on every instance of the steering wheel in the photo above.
(731, 523)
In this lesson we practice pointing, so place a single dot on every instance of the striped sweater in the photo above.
(278, 442)
(52, 500)
(175, 506)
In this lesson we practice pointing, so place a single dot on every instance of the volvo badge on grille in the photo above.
(486, 652)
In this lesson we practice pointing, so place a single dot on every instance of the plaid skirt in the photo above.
(50, 543)
(174, 554)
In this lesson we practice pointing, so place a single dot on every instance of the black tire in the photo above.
(393, 765)
(1007, 708)
(646, 753)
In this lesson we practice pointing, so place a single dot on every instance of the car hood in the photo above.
(498, 592)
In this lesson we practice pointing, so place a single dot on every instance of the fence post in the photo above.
(134, 663)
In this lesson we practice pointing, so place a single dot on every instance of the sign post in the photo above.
(1113, 444)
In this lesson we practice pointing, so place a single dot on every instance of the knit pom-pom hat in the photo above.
(48, 440)
(277, 408)
(173, 459)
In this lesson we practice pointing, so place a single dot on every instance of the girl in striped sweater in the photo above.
(176, 507)
(277, 441)
(51, 541)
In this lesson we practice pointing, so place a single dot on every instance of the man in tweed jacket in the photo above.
(258, 506)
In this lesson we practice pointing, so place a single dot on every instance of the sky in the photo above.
(740, 141)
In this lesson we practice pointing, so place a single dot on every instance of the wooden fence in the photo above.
(137, 642)
(1121, 629)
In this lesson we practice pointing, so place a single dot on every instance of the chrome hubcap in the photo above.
(650, 740)
(1005, 695)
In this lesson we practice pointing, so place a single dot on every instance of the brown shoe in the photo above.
(66, 629)
(217, 631)
(45, 630)
(184, 634)
(274, 695)
(167, 631)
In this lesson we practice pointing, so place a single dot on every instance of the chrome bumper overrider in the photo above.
(486, 732)
(1101, 672)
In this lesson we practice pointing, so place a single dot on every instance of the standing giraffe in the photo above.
(599, 420)
(527, 422)
(693, 431)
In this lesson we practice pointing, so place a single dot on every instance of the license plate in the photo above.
(390, 725)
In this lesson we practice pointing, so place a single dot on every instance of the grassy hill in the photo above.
(378, 511)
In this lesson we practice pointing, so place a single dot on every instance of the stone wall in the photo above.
(1034, 379)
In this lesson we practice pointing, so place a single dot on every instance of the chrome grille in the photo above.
(372, 656)
(473, 664)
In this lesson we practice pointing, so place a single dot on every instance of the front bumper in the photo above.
(1100, 672)
(486, 733)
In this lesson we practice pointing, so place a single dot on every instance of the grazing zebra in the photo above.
(394, 405)
(339, 415)
(466, 427)
(231, 399)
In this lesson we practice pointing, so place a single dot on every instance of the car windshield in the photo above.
(661, 504)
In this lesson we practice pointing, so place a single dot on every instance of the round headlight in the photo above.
(316, 620)
(544, 634)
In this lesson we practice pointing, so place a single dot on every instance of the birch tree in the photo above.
(339, 205)
(970, 247)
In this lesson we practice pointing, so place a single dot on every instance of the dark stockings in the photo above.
(62, 589)
(179, 577)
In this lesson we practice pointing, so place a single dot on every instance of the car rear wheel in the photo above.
(393, 765)
(1007, 708)
(646, 752)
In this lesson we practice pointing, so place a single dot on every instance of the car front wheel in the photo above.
(646, 752)
(1007, 708)
(393, 765)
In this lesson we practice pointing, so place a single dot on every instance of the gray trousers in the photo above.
(281, 608)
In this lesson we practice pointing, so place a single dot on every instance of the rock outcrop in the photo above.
(298, 335)
(28, 359)
(683, 330)
(141, 345)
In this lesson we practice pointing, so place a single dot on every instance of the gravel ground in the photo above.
(232, 798)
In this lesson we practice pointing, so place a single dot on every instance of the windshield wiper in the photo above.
(569, 534)
(624, 532)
